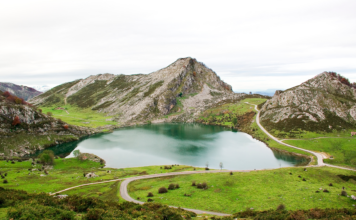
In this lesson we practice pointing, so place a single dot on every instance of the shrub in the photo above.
(5, 174)
(231, 173)
(172, 186)
(95, 213)
(281, 207)
(343, 193)
(193, 183)
(150, 194)
(162, 190)
(65, 127)
(177, 186)
(5, 181)
(12, 162)
(325, 191)
(199, 186)
(304, 179)
(2, 177)
(317, 191)
(330, 184)
(204, 185)
(207, 168)
(16, 121)
(49, 113)
(47, 157)
(149, 200)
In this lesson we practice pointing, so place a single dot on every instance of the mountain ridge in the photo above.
(20, 91)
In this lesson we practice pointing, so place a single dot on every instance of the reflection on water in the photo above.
(190, 144)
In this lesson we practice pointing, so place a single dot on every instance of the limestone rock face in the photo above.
(322, 100)
(134, 98)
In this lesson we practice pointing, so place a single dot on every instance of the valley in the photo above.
(174, 103)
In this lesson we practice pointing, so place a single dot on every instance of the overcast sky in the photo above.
(252, 45)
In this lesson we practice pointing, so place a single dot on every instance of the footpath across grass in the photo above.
(342, 150)
(259, 190)
(69, 172)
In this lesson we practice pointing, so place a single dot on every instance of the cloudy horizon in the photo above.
(253, 46)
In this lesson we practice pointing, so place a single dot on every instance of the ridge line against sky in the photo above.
(253, 46)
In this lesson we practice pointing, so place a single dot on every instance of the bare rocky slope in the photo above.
(24, 129)
(178, 92)
(23, 92)
(323, 103)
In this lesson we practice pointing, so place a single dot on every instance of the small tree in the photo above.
(16, 121)
(49, 113)
(76, 153)
(207, 164)
(47, 157)
(221, 165)
(234, 121)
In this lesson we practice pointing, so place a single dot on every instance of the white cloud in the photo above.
(52, 42)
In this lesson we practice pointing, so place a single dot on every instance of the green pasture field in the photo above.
(78, 116)
(341, 149)
(68, 172)
(260, 190)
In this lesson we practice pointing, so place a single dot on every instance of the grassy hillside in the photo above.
(342, 150)
(80, 117)
(245, 115)
(260, 190)
(68, 172)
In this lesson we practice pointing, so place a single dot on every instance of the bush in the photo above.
(49, 113)
(5, 181)
(204, 185)
(150, 194)
(5, 174)
(231, 173)
(47, 157)
(325, 191)
(149, 200)
(330, 184)
(171, 186)
(94, 213)
(343, 193)
(281, 207)
(304, 179)
(162, 190)
(207, 168)
(177, 186)
(199, 186)
(193, 183)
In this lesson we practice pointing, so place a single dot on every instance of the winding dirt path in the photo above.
(318, 155)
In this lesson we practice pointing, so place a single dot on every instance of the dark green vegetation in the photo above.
(260, 190)
(23, 205)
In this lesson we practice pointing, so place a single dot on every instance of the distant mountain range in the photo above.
(20, 91)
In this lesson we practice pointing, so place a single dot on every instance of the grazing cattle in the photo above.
(353, 133)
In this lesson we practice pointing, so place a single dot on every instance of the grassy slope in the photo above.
(241, 108)
(342, 149)
(79, 117)
(259, 190)
(67, 173)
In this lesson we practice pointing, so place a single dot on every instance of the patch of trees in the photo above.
(14, 99)
(342, 79)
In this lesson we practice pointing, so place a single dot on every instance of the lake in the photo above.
(188, 144)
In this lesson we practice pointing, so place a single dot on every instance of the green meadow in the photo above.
(259, 190)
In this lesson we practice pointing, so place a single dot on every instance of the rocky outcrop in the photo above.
(136, 98)
(33, 130)
(322, 103)
(23, 92)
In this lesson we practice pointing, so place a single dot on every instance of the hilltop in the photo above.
(178, 92)
(23, 92)
(324, 103)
